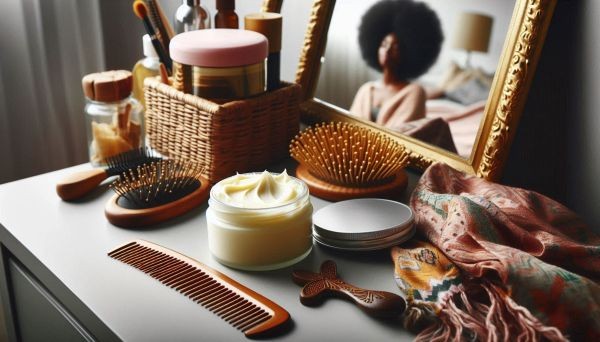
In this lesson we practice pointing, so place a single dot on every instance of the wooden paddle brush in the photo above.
(156, 192)
(81, 183)
(341, 161)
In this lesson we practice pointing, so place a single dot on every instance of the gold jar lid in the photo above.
(107, 86)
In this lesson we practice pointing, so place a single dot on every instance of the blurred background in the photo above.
(46, 46)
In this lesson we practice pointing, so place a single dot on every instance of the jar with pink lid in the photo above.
(220, 64)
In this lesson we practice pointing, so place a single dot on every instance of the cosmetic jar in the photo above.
(363, 224)
(114, 119)
(259, 221)
(220, 64)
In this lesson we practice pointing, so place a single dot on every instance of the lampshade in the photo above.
(473, 32)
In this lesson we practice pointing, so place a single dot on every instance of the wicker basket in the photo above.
(238, 136)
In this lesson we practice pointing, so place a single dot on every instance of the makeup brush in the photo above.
(81, 183)
(160, 25)
(340, 161)
(156, 192)
(140, 9)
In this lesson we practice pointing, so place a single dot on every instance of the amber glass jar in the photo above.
(226, 16)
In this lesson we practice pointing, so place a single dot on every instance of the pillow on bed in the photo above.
(469, 92)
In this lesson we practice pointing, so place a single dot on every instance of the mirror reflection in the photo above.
(419, 68)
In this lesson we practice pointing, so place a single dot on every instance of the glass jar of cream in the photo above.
(259, 221)
(219, 64)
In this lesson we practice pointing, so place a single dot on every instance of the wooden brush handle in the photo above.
(375, 303)
(79, 184)
(317, 286)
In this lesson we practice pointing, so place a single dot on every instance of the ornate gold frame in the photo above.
(527, 31)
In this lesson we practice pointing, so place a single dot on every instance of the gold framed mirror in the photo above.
(506, 52)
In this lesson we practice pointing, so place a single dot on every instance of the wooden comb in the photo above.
(316, 286)
(340, 161)
(239, 306)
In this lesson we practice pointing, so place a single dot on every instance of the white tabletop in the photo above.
(71, 240)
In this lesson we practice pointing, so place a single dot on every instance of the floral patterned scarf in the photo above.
(501, 264)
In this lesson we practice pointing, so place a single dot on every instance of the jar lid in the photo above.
(363, 224)
(268, 24)
(107, 86)
(219, 48)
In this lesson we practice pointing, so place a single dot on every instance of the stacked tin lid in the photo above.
(363, 224)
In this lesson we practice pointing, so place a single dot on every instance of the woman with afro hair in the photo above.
(402, 39)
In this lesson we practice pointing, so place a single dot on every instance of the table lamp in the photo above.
(473, 33)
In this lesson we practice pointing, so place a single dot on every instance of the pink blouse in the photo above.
(407, 105)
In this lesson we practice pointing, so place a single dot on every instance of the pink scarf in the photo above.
(527, 266)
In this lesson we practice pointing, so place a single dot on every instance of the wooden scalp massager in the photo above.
(316, 286)
(156, 192)
(340, 161)
(239, 306)
(81, 183)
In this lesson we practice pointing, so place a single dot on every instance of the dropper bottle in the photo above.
(146, 67)
(190, 16)
(226, 16)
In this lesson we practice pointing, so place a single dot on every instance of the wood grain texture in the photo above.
(132, 218)
(79, 184)
(318, 286)
(238, 305)
(332, 192)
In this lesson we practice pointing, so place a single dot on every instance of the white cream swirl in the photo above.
(258, 190)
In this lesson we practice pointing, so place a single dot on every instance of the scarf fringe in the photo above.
(477, 312)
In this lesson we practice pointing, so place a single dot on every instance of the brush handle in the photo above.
(162, 55)
(79, 184)
(317, 286)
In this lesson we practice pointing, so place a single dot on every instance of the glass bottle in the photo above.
(190, 16)
(226, 16)
(147, 67)
(114, 119)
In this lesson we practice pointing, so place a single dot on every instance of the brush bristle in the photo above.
(122, 162)
(157, 183)
(346, 154)
(140, 9)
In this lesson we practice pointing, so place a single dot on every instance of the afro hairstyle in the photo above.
(416, 27)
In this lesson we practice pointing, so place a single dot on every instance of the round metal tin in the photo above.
(363, 224)
(367, 245)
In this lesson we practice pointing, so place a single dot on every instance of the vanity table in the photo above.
(58, 284)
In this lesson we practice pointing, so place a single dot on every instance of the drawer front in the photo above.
(39, 316)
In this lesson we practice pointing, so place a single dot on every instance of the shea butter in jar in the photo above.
(259, 221)
(220, 64)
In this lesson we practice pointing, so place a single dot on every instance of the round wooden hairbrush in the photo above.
(317, 286)
(81, 183)
(340, 161)
(156, 192)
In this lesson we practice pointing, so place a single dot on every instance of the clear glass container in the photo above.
(113, 128)
(259, 239)
(146, 67)
(190, 16)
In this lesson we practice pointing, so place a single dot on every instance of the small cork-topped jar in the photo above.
(220, 64)
(114, 119)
